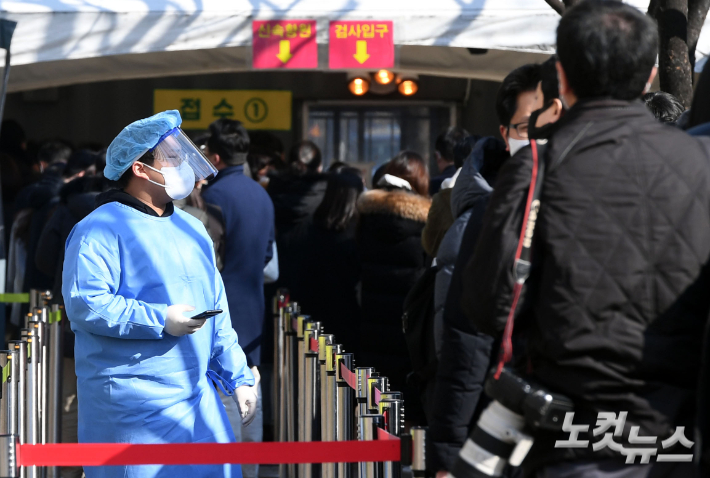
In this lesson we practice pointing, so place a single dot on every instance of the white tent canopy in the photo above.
(59, 42)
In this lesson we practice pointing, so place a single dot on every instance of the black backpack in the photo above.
(418, 327)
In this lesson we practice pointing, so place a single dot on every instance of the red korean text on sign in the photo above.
(361, 44)
(284, 44)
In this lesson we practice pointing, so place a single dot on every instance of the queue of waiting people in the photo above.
(415, 275)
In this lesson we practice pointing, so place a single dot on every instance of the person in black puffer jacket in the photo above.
(296, 193)
(473, 186)
(464, 360)
(330, 264)
(389, 239)
(617, 300)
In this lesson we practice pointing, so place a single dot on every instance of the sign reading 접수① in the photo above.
(257, 109)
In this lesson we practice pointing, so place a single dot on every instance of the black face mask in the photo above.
(543, 131)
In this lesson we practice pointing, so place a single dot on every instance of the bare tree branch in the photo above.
(557, 6)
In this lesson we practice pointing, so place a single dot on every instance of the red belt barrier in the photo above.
(378, 396)
(313, 345)
(102, 454)
(385, 435)
(349, 376)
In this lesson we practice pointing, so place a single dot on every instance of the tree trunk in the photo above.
(679, 26)
(674, 65)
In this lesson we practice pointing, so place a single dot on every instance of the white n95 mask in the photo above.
(179, 180)
(516, 145)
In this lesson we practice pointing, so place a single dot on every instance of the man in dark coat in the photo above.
(444, 152)
(464, 352)
(617, 300)
(249, 234)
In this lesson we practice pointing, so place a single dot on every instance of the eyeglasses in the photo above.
(520, 128)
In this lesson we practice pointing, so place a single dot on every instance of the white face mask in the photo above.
(516, 144)
(179, 181)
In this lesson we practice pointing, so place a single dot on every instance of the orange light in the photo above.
(359, 86)
(384, 77)
(408, 87)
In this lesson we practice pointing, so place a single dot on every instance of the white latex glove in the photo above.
(245, 396)
(177, 324)
(257, 379)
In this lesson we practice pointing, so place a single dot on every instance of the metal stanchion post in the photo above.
(44, 374)
(329, 404)
(279, 303)
(288, 392)
(344, 408)
(362, 374)
(382, 384)
(308, 394)
(8, 464)
(393, 411)
(5, 365)
(45, 296)
(12, 378)
(8, 456)
(300, 372)
(325, 342)
(367, 426)
(54, 366)
(419, 451)
(33, 382)
(34, 299)
(21, 347)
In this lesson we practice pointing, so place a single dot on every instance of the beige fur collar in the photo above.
(399, 203)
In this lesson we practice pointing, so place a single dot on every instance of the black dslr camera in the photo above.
(541, 408)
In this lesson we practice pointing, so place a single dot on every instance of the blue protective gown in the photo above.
(136, 383)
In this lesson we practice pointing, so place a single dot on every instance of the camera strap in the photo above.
(523, 255)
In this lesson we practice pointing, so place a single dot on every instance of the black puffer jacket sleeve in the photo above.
(463, 363)
(488, 277)
(50, 244)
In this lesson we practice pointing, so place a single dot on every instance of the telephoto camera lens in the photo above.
(501, 434)
(497, 440)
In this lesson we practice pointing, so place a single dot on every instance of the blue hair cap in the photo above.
(136, 139)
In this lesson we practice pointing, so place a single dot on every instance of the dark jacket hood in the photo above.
(81, 205)
(295, 197)
(119, 195)
(477, 176)
(79, 195)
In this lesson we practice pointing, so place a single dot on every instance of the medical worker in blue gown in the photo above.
(136, 269)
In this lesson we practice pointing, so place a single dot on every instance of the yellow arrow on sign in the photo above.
(361, 51)
(284, 51)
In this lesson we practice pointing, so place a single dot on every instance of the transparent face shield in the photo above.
(175, 147)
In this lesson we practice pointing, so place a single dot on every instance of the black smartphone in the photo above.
(207, 314)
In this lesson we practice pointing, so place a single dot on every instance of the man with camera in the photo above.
(611, 319)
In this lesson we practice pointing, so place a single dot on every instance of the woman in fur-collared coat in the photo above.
(389, 238)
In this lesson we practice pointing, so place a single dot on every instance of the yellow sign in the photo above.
(257, 109)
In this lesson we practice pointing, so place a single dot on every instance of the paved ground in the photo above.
(268, 471)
